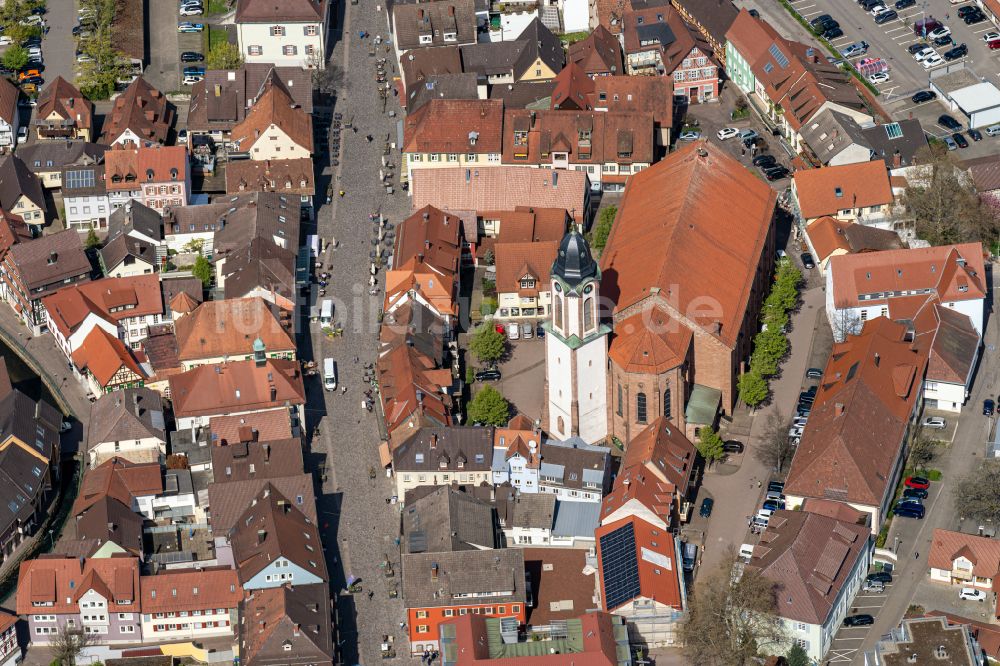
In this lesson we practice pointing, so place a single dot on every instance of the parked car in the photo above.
(527, 331)
(916, 493)
(923, 96)
(966, 10)
(191, 11)
(732, 446)
(191, 56)
(917, 482)
(833, 33)
(491, 375)
(182, 137)
(909, 511)
(974, 17)
(854, 50)
(974, 134)
(727, 133)
(878, 77)
(706, 507)
(959, 51)
(22, 135)
(814, 373)
(991, 37)
(924, 53)
(938, 32)
(773, 505)
(776, 173)
(885, 17)
(950, 142)
(873, 586)
(34, 81)
(194, 71)
(932, 61)
(988, 406)
(807, 261)
(925, 26)
(690, 135)
(192, 79)
(764, 160)
(935, 422)
(880, 576)
(946, 121)
(971, 594)
(993, 130)
(6, 40)
(514, 332)
(187, 26)
(539, 331)
(862, 620)
(903, 4)
(944, 40)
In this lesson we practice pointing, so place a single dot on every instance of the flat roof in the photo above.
(948, 82)
(977, 97)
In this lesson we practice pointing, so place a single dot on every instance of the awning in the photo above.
(703, 405)
(383, 454)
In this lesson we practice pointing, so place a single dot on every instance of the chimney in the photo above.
(274, 393)
(434, 442)
(877, 359)
(897, 160)
(53, 256)
(838, 408)
(297, 629)
(267, 452)
(261, 536)
(434, 571)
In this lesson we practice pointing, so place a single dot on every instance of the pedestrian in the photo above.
(402, 624)
(371, 594)
(916, 555)
(758, 484)
(342, 193)
(370, 138)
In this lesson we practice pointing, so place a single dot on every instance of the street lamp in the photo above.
(51, 544)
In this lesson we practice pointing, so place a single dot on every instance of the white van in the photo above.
(326, 312)
(329, 374)
(993, 130)
(513, 331)
(746, 551)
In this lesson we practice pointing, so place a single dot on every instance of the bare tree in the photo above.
(844, 323)
(328, 79)
(68, 643)
(775, 450)
(732, 616)
(944, 202)
(977, 495)
(923, 451)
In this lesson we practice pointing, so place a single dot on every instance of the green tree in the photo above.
(92, 240)
(224, 55)
(487, 344)
(15, 57)
(753, 388)
(489, 258)
(603, 227)
(797, 656)
(489, 407)
(203, 270)
(769, 347)
(710, 444)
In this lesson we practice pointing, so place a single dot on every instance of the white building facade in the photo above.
(576, 346)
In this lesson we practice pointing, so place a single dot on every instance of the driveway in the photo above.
(844, 648)
(523, 372)
(162, 72)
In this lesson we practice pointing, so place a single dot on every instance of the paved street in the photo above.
(59, 46)
(359, 527)
(736, 494)
(161, 33)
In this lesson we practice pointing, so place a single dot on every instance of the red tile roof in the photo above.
(204, 589)
(271, 424)
(682, 225)
(103, 356)
(982, 552)
(599, 54)
(275, 108)
(66, 101)
(810, 557)
(410, 386)
(454, 126)
(416, 276)
(615, 136)
(237, 386)
(142, 109)
(650, 341)
(855, 433)
(952, 272)
(637, 492)
(129, 168)
(282, 176)
(112, 299)
(653, 558)
(119, 479)
(517, 260)
(62, 581)
(829, 190)
(663, 450)
(231, 328)
(434, 236)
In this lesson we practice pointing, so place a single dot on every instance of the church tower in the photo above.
(576, 346)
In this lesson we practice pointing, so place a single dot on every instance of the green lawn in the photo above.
(214, 36)
(217, 7)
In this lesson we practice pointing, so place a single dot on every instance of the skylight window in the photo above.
(893, 131)
(778, 56)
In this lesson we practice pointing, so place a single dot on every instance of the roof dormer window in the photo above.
(426, 39)
(451, 37)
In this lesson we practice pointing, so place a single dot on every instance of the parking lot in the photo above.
(847, 641)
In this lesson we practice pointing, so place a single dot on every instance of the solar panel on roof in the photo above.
(778, 56)
(619, 566)
(768, 67)
(893, 130)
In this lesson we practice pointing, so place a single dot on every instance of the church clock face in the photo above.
(589, 288)
(558, 287)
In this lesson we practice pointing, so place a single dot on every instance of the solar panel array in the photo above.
(778, 56)
(79, 179)
(893, 130)
(620, 566)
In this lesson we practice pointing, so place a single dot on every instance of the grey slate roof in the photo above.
(434, 18)
(529, 510)
(830, 132)
(22, 417)
(134, 413)
(118, 249)
(64, 249)
(437, 579)
(225, 96)
(442, 86)
(517, 56)
(525, 95)
(135, 218)
(45, 156)
(577, 519)
(907, 145)
(16, 179)
(297, 615)
(574, 462)
(257, 460)
(447, 520)
(22, 478)
(444, 449)
(110, 520)
(267, 215)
